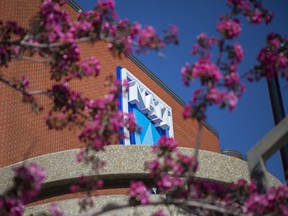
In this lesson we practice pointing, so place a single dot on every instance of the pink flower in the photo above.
(167, 144)
(195, 49)
(55, 211)
(28, 182)
(153, 167)
(139, 192)
(185, 162)
(256, 203)
(231, 99)
(206, 71)
(232, 79)
(171, 35)
(215, 95)
(74, 188)
(136, 28)
(166, 182)
(204, 41)
(256, 17)
(80, 156)
(238, 51)
(283, 60)
(149, 39)
(130, 122)
(240, 4)
(269, 18)
(229, 28)
(186, 74)
(187, 112)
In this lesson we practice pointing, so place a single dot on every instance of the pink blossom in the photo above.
(231, 99)
(204, 41)
(80, 156)
(238, 51)
(266, 56)
(13, 28)
(240, 4)
(229, 28)
(109, 4)
(74, 188)
(28, 182)
(195, 49)
(206, 71)
(149, 39)
(256, 17)
(186, 74)
(166, 182)
(54, 210)
(283, 60)
(80, 27)
(232, 79)
(187, 112)
(171, 35)
(215, 95)
(153, 167)
(185, 163)
(56, 121)
(99, 183)
(167, 144)
(269, 18)
(130, 122)
(91, 66)
(174, 29)
(13, 206)
(139, 192)
(256, 203)
(136, 28)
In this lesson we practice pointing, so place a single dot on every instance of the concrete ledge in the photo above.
(71, 208)
(128, 161)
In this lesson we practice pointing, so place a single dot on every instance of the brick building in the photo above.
(25, 136)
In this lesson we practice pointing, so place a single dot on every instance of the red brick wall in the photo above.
(25, 135)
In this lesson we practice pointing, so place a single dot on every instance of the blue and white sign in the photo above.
(152, 114)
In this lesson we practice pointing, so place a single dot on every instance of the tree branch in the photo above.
(24, 58)
(53, 45)
(158, 201)
(221, 45)
(18, 88)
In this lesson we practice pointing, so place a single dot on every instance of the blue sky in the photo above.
(252, 119)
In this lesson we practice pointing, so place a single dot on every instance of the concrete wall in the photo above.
(124, 163)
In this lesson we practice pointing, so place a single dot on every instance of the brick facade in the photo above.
(25, 135)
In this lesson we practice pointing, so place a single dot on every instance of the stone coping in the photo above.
(71, 207)
(128, 162)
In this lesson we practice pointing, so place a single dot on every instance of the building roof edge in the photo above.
(74, 5)
(167, 89)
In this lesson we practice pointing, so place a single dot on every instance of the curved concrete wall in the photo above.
(124, 162)
(128, 162)
(71, 208)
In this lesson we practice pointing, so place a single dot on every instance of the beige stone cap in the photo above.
(128, 161)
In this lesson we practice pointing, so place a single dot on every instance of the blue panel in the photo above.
(149, 135)
(120, 108)
(155, 134)
(148, 139)
(119, 77)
